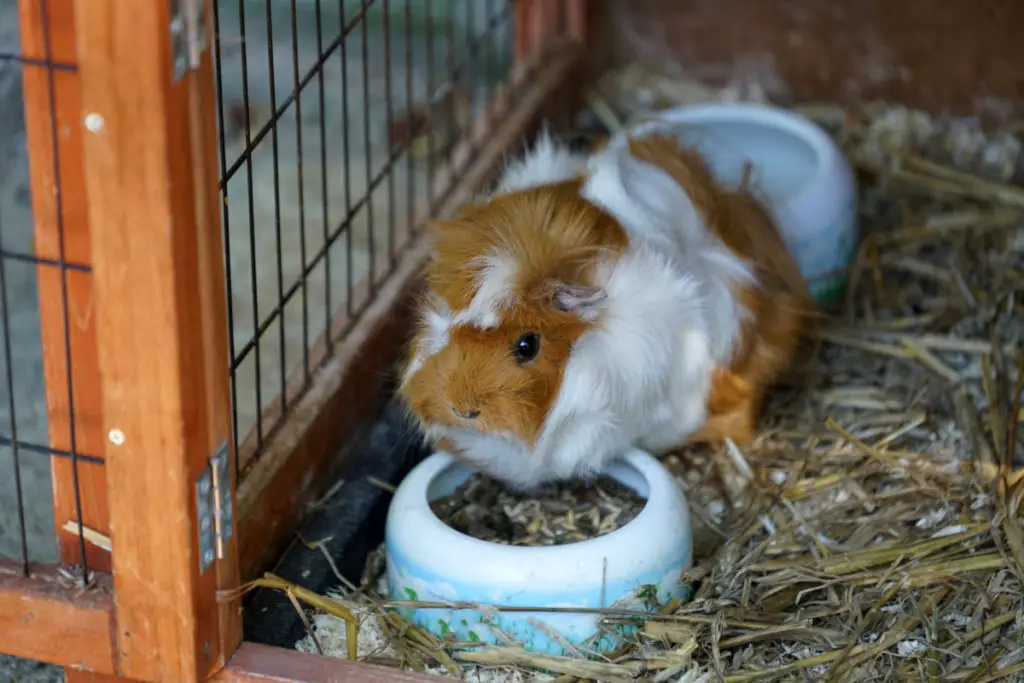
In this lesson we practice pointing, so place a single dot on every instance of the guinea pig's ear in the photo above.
(581, 300)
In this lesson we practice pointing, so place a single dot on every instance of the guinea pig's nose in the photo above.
(470, 414)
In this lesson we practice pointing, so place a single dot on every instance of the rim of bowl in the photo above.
(801, 127)
(658, 480)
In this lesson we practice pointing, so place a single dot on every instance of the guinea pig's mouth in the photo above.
(472, 430)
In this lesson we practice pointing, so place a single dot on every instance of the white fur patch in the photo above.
(656, 211)
(435, 323)
(546, 163)
(493, 293)
(640, 377)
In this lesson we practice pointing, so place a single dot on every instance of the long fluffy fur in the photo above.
(676, 307)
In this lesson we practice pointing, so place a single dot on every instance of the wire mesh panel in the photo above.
(324, 108)
(343, 125)
(26, 511)
(107, 271)
(51, 475)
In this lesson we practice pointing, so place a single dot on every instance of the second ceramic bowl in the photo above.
(799, 171)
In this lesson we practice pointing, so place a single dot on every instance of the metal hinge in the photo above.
(213, 508)
(188, 35)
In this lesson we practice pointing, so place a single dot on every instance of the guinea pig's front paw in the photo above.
(728, 390)
(445, 444)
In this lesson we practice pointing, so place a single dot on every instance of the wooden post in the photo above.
(527, 16)
(264, 664)
(42, 619)
(576, 20)
(73, 394)
(159, 290)
(214, 328)
(536, 21)
(74, 676)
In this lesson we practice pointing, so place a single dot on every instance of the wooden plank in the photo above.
(45, 619)
(526, 27)
(202, 94)
(59, 211)
(73, 676)
(538, 23)
(265, 664)
(576, 21)
(276, 488)
(156, 330)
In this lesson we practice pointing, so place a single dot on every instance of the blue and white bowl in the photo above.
(633, 567)
(797, 169)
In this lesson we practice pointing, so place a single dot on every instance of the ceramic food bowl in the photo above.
(630, 567)
(797, 169)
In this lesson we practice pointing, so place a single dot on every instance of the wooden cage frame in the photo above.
(133, 194)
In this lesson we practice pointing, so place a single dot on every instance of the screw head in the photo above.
(116, 437)
(93, 123)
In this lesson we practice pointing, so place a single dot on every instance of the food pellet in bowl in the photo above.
(557, 514)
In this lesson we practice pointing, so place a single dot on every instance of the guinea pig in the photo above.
(598, 302)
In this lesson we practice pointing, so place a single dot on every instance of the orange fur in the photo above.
(477, 371)
(551, 234)
(599, 142)
(727, 390)
(779, 306)
(550, 231)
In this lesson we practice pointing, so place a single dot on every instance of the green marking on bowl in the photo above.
(829, 289)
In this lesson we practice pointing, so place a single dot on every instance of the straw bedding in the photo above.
(872, 531)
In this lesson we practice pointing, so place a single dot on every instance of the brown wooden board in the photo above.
(954, 56)
(66, 300)
(154, 236)
(264, 664)
(201, 96)
(46, 618)
(73, 676)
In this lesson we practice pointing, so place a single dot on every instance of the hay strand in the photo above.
(872, 530)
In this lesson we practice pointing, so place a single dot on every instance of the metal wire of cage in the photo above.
(204, 279)
(332, 211)
(42, 269)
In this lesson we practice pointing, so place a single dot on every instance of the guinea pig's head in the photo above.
(511, 288)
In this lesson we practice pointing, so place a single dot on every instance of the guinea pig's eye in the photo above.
(527, 347)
